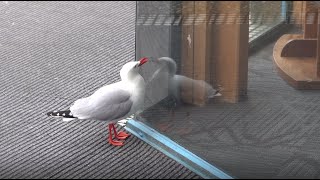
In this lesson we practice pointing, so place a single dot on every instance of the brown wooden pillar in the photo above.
(214, 50)
(187, 47)
(230, 42)
(318, 45)
(297, 14)
(196, 48)
(310, 19)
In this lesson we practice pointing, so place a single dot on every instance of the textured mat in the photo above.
(51, 54)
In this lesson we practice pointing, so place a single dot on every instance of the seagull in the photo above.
(177, 85)
(176, 82)
(111, 102)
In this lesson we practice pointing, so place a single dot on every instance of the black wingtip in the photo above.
(49, 113)
(66, 114)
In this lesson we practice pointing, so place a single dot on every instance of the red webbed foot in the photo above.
(122, 135)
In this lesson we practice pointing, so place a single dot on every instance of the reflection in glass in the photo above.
(265, 124)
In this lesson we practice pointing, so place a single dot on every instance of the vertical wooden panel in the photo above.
(230, 50)
(310, 19)
(218, 52)
(243, 51)
(318, 46)
(297, 13)
(202, 50)
(195, 49)
(187, 48)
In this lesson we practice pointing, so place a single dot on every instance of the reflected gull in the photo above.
(177, 87)
(176, 82)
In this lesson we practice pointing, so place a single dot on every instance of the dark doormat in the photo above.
(53, 53)
(86, 156)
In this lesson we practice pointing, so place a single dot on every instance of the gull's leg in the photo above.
(121, 135)
(111, 141)
(166, 125)
(172, 113)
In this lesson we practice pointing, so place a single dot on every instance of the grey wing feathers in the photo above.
(112, 105)
(109, 105)
(116, 111)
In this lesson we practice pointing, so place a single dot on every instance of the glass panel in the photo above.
(265, 124)
(265, 15)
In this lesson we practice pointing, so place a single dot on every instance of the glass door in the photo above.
(227, 106)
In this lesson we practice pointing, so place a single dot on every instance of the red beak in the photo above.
(143, 60)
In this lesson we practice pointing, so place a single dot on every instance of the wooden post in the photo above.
(215, 52)
(310, 20)
(202, 49)
(195, 49)
(187, 45)
(230, 42)
(297, 13)
(318, 46)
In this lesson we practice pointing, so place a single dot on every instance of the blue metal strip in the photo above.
(146, 130)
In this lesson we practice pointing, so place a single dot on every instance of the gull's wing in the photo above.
(188, 84)
(107, 103)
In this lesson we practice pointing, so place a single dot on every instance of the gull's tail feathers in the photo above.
(66, 115)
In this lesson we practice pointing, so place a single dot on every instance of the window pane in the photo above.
(264, 124)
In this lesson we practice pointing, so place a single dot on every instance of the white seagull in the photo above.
(176, 82)
(111, 102)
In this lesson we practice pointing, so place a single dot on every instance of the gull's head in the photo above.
(172, 66)
(131, 69)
